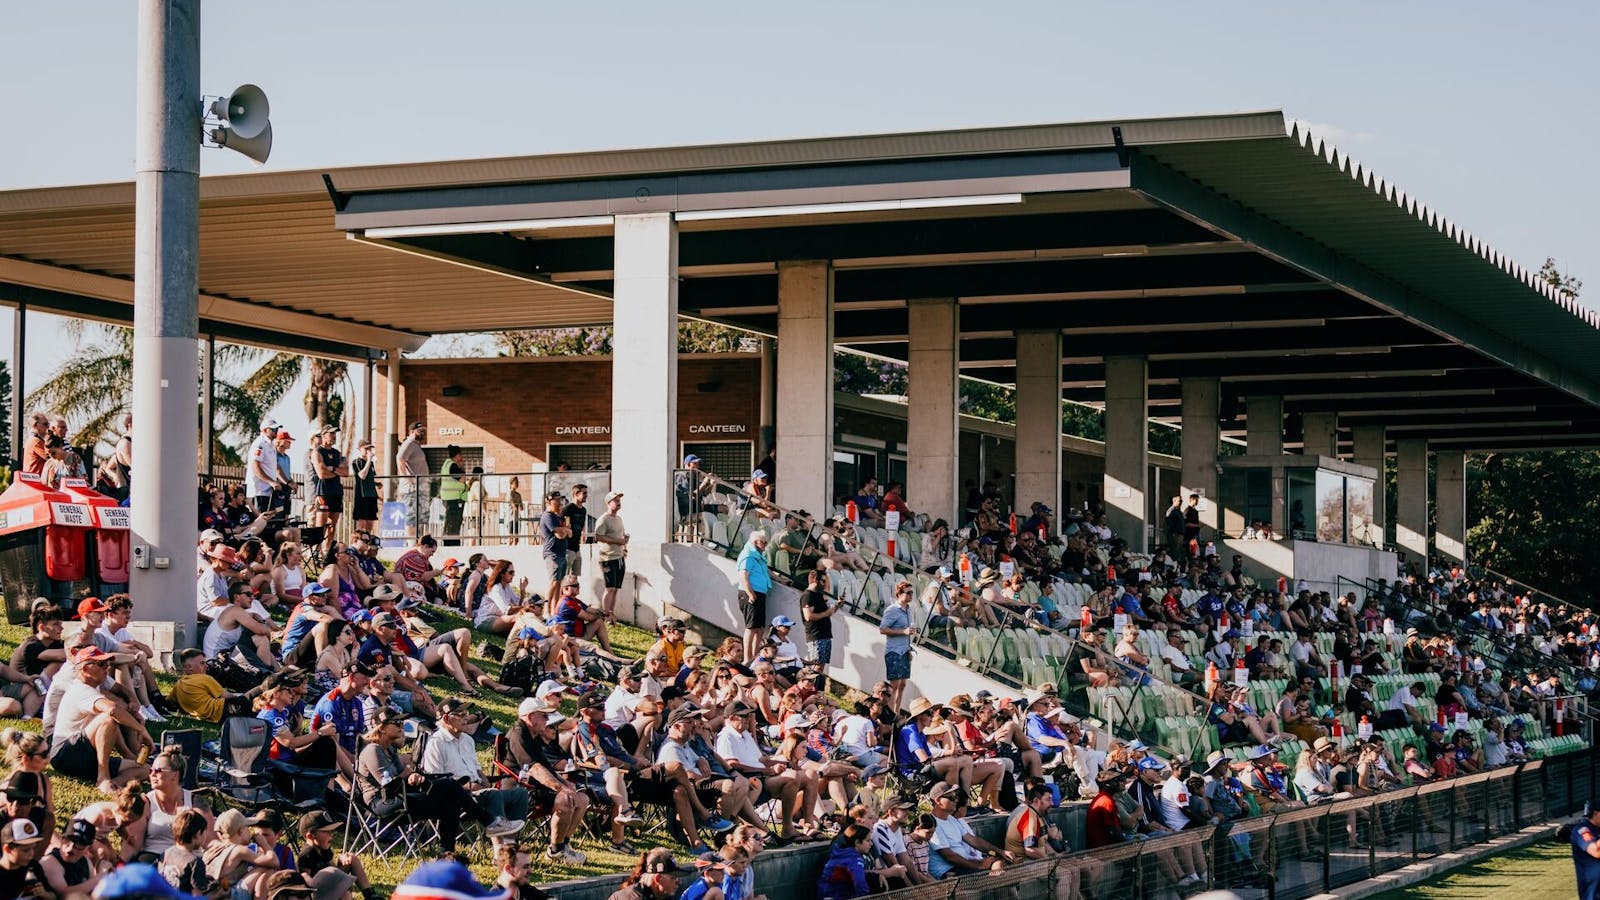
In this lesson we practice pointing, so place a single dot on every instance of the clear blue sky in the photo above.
(1486, 111)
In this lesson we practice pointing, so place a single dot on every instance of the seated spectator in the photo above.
(913, 753)
(201, 696)
(121, 816)
(503, 603)
(452, 752)
(416, 566)
(36, 659)
(96, 736)
(956, 850)
(387, 780)
(449, 651)
(578, 619)
(1175, 654)
(844, 873)
(341, 707)
(227, 632)
(68, 868)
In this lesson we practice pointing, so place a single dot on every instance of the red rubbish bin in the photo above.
(110, 540)
(43, 545)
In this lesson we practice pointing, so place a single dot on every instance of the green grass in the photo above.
(72, 795)
(1539, 870)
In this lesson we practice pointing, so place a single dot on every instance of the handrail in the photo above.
(1008, 620)
(1530, 589)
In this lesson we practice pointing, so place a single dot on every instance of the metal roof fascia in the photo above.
(1204, 204)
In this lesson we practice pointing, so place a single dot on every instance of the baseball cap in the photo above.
(612, 495)
(943, 789)
(531, 705)
(21, 831)
(660, 862)
(385, 620)
(332, 882)
(317, 820)
(81, 832)
(553, 688)
(224, 553)
(268, 818)
(285, 436)
(21, 786)
(415, 426)
(757, 475)
(944, 572)
(90, 605)
(690, 458)
(446, 878)
(709, 861)
(270, 423)
(782, 622)
(90, 653)
(453, 705)
(384, 592)
(210, 536)
(592, 700)
(357, 667)
(451, 563)
(314, 589)
(132, 880)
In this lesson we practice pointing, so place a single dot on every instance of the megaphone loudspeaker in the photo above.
(245, 110)
(257, 148)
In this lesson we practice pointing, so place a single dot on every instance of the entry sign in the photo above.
(393, 525)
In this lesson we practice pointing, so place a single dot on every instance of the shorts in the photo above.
(333, 503)
(896, 666)
(442, 639)
(822, 650)
(574, 562)
(16, 691)
(613, 570)
(754, 608)
(261, 502)
(366, 508)
(403, 700)
(557, 566)
(78, 759)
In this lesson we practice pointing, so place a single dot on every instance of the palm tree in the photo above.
(95, 385)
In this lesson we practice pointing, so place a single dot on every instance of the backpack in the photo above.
(233, 677)
(522, 672)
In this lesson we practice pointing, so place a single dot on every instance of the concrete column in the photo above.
(166, 313)
(365, 425)
(644, 377)
(1368, 442)
(19, 372)
(769, 396)
(1201, 433)
(1038, 464)
(1321, 434)
(1127, 447)
(1450, 492)
(394, 417)
(208, 400)
(805, 375)
(1263, 426)
(1411, 480)
(931, 434)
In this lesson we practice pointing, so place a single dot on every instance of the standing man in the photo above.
(331, 469)
(755, 580)
(1176, 529)
(554, 532)
(34, 454)
(1191, 524)
(313, 486)
(410, 468)
(1586, 852)
(365, 470)
(453, 487)
(71, 457)
(576, 513)
(612, 537)
(262, 477)
(817, 616)
(895, 626)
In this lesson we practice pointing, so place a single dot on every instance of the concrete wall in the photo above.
(791, 873)
(1319, 564)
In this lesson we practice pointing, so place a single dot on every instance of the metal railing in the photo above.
(1302, 852)
(485, 509)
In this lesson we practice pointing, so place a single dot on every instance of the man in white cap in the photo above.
(262, 476)
(612, 537)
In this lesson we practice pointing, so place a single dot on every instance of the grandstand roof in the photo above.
(1223, 245)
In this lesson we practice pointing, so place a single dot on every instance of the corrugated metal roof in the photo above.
(1309, 187)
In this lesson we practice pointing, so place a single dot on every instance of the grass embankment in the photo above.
(72, 795)
(1536, 871)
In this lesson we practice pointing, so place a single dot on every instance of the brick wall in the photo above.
(514, 407)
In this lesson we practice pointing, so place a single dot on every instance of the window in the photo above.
(851, 469)
(578, 457)
(732, 461)
(470, 456)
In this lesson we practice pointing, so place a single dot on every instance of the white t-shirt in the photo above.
(1301, 651)
(890, 843)
(1175, 804)
(619, 706)
(497, 601)
(209, 588)
(856, 734)
(949, 833)
(265, 454)
(76, 711)
(740, 745)
(121, 636)
(1401, 700)
(1176, 658)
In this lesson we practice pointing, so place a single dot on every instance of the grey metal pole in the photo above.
(19, 372)
(365, 427)
(166, 313)
(208, 400)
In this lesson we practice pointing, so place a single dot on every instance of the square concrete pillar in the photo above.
(1369, 450)
(805, 377)
(1263, 426)
(1411, 482)
(1038, 463)
(1127, 447)
(1450, 513)
(644, 376)
(1201, 433)
(1321, 434)
(933, 395)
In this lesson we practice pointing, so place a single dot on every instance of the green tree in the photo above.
(694, 336)
(5, 411)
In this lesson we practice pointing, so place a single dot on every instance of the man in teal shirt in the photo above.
(755, 579)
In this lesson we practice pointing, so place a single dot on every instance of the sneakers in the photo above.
(565, 854)
(1189, 879)
(150, 714)
(625, 848)
(503, 827)
(629, 817)
(718, 824)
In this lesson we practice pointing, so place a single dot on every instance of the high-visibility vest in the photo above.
(451, 486)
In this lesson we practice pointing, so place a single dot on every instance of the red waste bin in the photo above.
(110, 540)
(43, 545)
